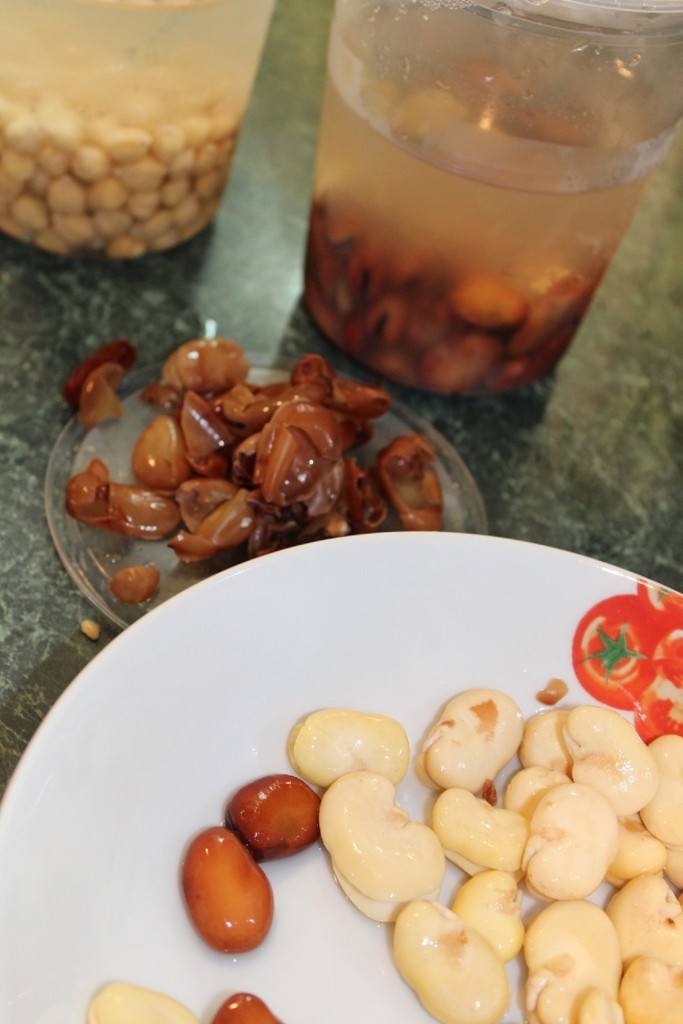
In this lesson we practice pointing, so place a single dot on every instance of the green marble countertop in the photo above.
(589, 459)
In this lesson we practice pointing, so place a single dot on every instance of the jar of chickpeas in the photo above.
(119, 118)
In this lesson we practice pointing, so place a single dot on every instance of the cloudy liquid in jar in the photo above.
(118, 140)
(447, 251)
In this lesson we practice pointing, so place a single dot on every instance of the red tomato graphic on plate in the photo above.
(613, 650)
(628, 653)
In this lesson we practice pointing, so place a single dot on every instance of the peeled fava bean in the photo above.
(543, 743)
(452, 969)
(651, 992)
(662, 815)
(597, 1007)
(478, 732)
(374, 845)
(674, 867)
(570, 948)
(528, 786)
(476, 835)
(244, 1008)
(227, 895)
(491, 903)
(573, 838)
(608, 754)
(334, 741)
(121, 1003)
(648, 920)
(274, 816)
(638, 852)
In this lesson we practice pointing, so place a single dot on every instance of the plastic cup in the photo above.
(119, 118)
(478, 164)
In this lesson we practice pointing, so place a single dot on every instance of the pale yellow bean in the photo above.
(30, 212)
(570, 947)
(479, 731)
(169, 142)
(572, 841)
(373, 842)
(543, 743)
(121, 1003)
(608, 754)
(174, 191)
(651, 992)
(125, 145)
(53, 160)
(24, 133)
(66, 195)
(472, 832)
(106, 194)
(597, 1007)
(110, 223)
(141, 175)
(662, 815)
(17, 165)
(333, 741)
(76, 229)
(638, 852)
(144, 204)
(648, 920)
(491, 902)
(452, 969)
(527, 786)
(152, 227)
(125, 247)
(90, 163)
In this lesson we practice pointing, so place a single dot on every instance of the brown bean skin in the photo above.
(275, 816)
(228, 897)
(244, 1008)
(119, 351)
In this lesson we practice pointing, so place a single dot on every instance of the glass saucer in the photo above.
(91, 555)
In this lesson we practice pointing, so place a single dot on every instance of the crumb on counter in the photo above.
(90, 629)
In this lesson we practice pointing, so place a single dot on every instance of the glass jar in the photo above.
(119, 118)
(478, 164)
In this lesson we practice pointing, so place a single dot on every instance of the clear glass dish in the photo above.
(91, 555)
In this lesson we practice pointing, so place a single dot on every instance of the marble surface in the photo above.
(589, 459)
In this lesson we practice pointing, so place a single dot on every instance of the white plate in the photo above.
(92, 556)
(197, 698)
